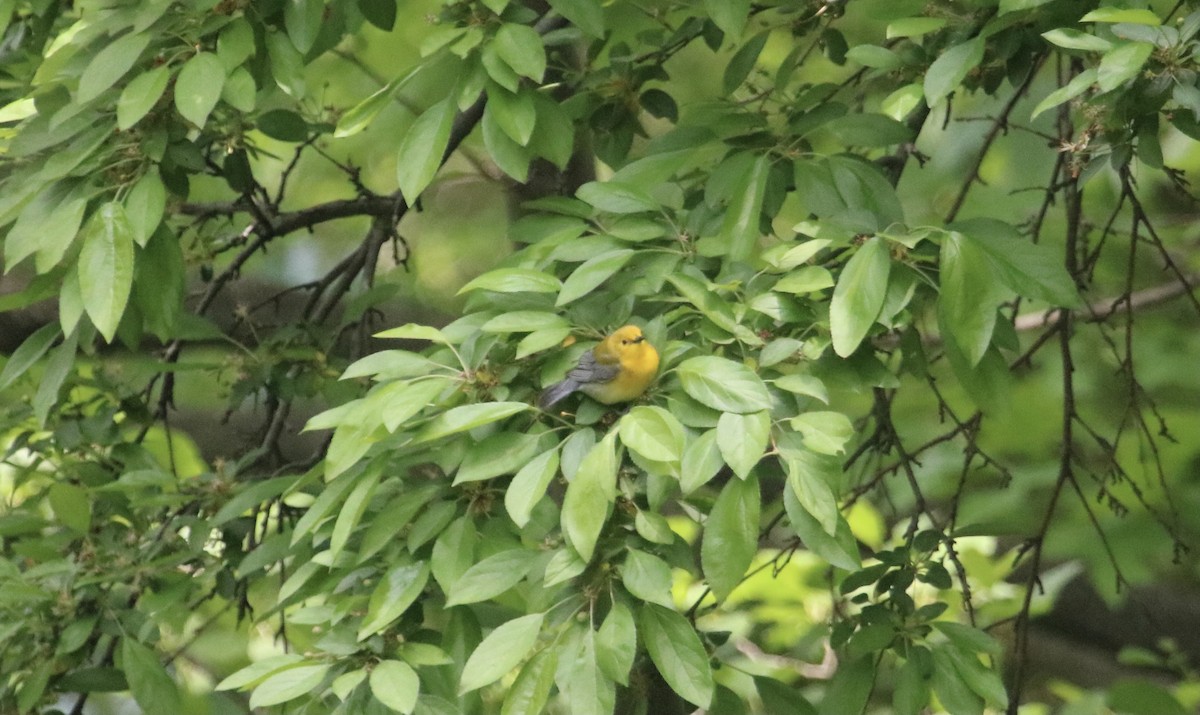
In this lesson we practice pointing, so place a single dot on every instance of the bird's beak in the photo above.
(638, 339)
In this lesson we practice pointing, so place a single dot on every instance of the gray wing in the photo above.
(590, 371)
(587, 372)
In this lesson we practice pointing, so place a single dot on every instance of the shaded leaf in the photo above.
(500, 652)
(677, 652)
(731, 536)
(858, 296)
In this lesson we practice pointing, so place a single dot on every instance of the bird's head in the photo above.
(630, 347)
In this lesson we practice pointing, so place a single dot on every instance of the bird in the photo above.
(619, 369)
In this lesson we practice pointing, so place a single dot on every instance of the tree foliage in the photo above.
(801, 202)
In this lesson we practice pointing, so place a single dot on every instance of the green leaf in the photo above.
(858, 296)
(71, 506)
(387, 365)
(591, 273)
(343, 685)
(47, 226)
(743, 61)
(540, 340)
(17, 110)
(360, 116)
(413, 331)
(1122, 63)
(257, 671)
(587, 15)
(554, 139)
(348, 445)
(352, 511)
(915, 26)
(235, 44)
(968, 639)
(1076, 40)
(454, 551)
(422, 149)
(564, 565)
(1030, 269)
(33, 685)
(109, 65)
(723, 384)
(911, 693)
(284, 125)
(396, 591)
(514, 280)
(742, 439)
(647, 577)
(953, 692)
(380, 13)
(731, 536)
(616, 644)
(899, 104)
(874, 56)
(591, 491)
(824, 432)
(140, 96)
(521, 49)
(467, 417)
(28, 353)
(1116, 14)
(840, 550)
(983, 681)
(615, 197)
(152, 687)
(524, 321)
(529, 486)
(969, 296)
(850, 687)
(653, 433)
(514, 113)
(144, 206)
(740, 229)
(1078, 85)
(198, 87)
(677, 652)
(701, 462)
(587, 689)
(950, 68)
(531, 690)
(809, 477)
(870, 130)
(395, 684)
(1138, 697)
(806, 280)
(707, 301)
(802, 384)
(285, 685)
(653, 527)
(70, 300)
(499, 453)
(302, 19)
(512, 158)
(240, 91)
(491, 577)
(729, 15)
(500, 652)
(1007, 6)
(106, 267)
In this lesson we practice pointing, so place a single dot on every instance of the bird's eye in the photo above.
(624, 342)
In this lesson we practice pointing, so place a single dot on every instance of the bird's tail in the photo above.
(556, 392)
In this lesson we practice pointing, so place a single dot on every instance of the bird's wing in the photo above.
(592, 371)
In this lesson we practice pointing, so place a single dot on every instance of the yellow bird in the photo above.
(619, 369)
